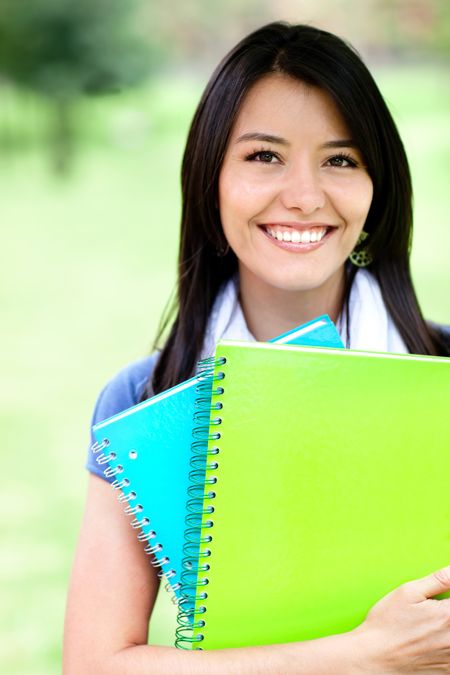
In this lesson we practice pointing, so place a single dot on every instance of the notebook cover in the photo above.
(151, 443)
(332, 489)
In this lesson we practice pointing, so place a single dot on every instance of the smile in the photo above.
(306, 238)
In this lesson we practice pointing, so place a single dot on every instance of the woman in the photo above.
(293, 177)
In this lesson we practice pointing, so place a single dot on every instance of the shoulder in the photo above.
(443, 330)
(125, 389)
(121, 392)
(443, 333)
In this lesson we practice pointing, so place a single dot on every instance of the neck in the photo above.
(271, 311)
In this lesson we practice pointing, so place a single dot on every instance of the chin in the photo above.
(305, 283)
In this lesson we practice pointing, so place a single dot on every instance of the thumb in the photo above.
(429, 586)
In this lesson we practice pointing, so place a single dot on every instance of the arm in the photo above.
(111, 596)
(113, 589)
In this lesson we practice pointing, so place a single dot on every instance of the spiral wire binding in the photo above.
(198, 507)
(134, 508)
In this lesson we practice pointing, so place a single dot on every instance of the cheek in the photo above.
(366, 194)
(228, 197)
(239, 195)
(353, 201)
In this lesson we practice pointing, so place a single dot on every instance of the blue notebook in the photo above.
(147, 451)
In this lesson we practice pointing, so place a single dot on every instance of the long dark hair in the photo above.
(318, 58)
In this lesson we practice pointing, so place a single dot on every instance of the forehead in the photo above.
(277, 102)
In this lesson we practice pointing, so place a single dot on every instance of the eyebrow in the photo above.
(344, 143)
(269, 138)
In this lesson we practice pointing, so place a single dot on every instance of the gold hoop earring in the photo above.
(361, 257)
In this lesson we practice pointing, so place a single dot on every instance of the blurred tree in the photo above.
(63, 50)
(202, 31)
(426, 23)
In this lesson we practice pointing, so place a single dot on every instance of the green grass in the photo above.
(87, 267)
(420, 102)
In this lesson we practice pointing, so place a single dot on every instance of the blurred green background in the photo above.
(94, 110)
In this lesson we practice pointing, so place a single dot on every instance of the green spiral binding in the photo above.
(198, 506)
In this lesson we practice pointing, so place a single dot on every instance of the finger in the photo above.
(431, 585)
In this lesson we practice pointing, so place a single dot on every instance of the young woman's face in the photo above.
(294, 192)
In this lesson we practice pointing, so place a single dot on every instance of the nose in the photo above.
(302, 189)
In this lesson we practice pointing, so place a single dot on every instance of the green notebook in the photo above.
(326, 487)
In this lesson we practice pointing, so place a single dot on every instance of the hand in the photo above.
(407, 631)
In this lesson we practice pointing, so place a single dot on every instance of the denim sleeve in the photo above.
(122, 392)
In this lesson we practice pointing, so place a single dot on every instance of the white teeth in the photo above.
(297, 237)
(306, 237)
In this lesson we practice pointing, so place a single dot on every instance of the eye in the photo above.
(342, 161)
(263, 156)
